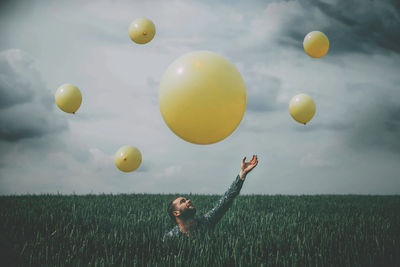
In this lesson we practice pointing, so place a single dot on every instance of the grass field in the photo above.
(104, 230)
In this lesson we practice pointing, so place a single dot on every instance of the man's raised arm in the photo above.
(214, 215)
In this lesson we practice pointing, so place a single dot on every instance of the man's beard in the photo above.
(188, 213)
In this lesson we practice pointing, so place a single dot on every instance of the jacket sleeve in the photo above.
(167, 236)
(171, 234)
(214, 215)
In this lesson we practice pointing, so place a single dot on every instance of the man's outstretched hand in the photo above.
(247, 166)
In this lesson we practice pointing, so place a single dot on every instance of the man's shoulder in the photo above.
(174, 232)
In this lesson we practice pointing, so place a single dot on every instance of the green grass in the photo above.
(104, 230)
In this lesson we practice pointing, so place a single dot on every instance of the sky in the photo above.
(351, 146)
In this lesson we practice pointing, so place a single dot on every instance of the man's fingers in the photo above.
(253, 162)
(255, 159)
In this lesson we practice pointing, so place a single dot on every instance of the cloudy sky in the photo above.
(352, 145)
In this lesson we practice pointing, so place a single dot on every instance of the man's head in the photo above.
(181, 207)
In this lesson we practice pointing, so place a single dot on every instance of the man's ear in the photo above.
(176, 213)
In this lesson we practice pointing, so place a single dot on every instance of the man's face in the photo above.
(185, 207)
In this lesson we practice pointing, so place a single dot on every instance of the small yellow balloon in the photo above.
(68, 98)
(302, 108)
(316, 44)
(128, 158)
(142, 30)
(202, 97)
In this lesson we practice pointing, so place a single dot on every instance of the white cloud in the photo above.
(170, 171)
(311, 160)
(100, 158)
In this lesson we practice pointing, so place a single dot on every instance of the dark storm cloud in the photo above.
(13, 88)
(7, 6)
(27, 121)
(27, 107)
(375, 120)
(371, 123)
(351, 26)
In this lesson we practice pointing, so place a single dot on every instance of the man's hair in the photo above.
(171, 209)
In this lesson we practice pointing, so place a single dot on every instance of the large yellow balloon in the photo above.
(316, 44)
(202, 97)
(302, 108)
(68, 98)
(128, 158)
(142, 30)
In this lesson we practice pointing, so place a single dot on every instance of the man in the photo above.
(182, 211)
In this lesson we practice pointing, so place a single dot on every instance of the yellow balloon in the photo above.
(316, 44)
(302, 108)
(142, 30)
(68, 98)
(202, 97)
(128, 158)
